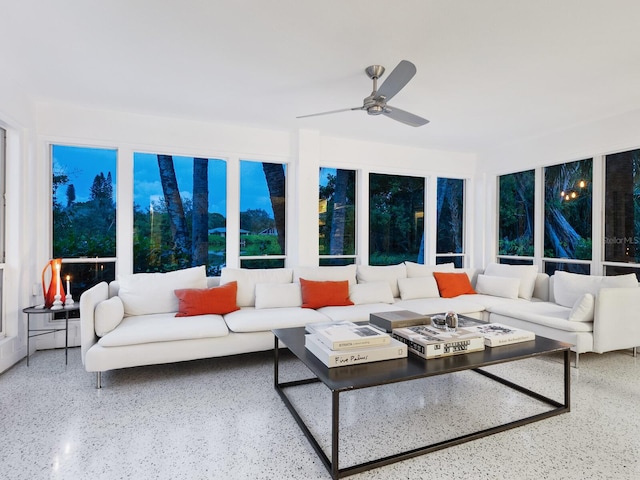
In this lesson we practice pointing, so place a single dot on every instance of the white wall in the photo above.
(609, 135)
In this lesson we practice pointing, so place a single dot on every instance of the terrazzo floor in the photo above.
(222, 419)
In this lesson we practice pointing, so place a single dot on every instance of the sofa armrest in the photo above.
(616, 322)
(88, 301)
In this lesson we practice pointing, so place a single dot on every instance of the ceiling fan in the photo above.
(376, 103)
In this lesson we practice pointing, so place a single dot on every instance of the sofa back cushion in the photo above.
(247, 279)
(418, 287)
(386, 273)
(331, 274)
(147, 293)
(569, 287)
(506, 287)
(278, 295)
(420, 270)
(526, 275)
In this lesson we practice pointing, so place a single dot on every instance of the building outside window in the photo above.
(622, 213)
(396, 218)
(516, 209)
(450, 221)
(84, 214)
(568, 217)
(179, 213)
(262, 214)
(337, 216)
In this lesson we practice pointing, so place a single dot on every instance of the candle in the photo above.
(68, 287)
(58, 279)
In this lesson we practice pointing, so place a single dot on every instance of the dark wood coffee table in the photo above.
(342, 379)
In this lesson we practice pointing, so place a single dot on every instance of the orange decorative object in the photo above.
(55, 284)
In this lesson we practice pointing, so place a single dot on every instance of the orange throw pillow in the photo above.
(324, 294)
(216, 300)
(453, 284)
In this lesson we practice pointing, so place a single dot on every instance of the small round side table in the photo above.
(34, 310)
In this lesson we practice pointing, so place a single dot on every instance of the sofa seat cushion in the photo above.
(164, 327)
(489, 300)
(250, 319)
(357, 313)
(431, 306)
(542, 313)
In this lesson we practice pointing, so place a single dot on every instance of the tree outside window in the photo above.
(179, 213)
(337, 216)
(450, 221)
(396, 218)
(516, 214)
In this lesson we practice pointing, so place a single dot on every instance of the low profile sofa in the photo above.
(147, 318)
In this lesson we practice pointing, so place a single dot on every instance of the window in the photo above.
(450, 221)
(84, 214)
(179, 213)
(622, 213)
(567, 217)
(337, 216)
(396, 218)
(262, 214)
(516, 217)
(3, 139)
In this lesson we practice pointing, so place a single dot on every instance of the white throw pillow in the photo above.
(527, 275)
(147, 293)
(569, 287)
(418, 287)
(420, 270)
(108, 315)
(583, 309)
(278, 295)
(386, 273)
(247, 279)
(498, 286)
(326, 274)
(371, 292)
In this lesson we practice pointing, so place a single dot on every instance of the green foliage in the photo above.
(255, 245)
(256, 220)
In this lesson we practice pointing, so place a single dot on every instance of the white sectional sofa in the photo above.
(133, 322)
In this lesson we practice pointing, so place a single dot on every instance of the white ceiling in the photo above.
(489, 71)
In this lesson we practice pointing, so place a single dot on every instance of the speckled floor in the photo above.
(222, 419)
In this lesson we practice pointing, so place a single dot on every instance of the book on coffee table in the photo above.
(398, 319)
(338, 358)
(345, 335)
(431, 342)
(496, 334)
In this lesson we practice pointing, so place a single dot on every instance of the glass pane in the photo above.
(396, 218)
(83, 276)
(514, 261)
(622, 207)
(333, 262)
(617, 270)
(262, 208)
(450, 211)
(262, 263)
(551, 267)
(83, 201)
(567, 210)
(515, 213)
(180, 206)
(457, 260)
(336, 212)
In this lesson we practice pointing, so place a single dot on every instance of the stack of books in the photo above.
(346, 343)
(427, 341)
(497, 334)
(398, 319)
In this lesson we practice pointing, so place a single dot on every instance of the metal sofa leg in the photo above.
(98, 379)
(577, 360)
(635, 352)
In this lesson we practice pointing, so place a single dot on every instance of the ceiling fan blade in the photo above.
(332, 111)
(396, 80)
(404, 117)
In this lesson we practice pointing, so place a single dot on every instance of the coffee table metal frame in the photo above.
(347, 378)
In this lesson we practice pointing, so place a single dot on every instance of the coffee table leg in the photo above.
(275, 361)
(335, 430)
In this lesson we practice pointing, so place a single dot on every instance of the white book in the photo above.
(430, 342)
(339, 358)
(496, 334)
(346, 336)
